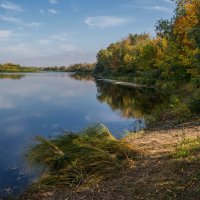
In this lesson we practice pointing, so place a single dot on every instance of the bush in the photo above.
(195, 102)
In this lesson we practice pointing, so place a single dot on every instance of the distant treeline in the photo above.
(10, 67)
(79, 67)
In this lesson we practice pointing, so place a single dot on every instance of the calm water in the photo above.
(46, 103)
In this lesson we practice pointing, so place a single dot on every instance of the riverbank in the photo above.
(168, 169)
(16, 68)
(122, 83)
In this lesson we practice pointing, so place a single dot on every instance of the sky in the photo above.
(63, 32)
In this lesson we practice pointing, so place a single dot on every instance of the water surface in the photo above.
(47, 103)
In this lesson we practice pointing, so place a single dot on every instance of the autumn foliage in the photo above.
(171, 60)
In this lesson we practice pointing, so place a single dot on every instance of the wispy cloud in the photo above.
(61, 37)
(153, 7)
(53, 1)
(106, 21)
(169, 1)
(5, 34)
(59, 40)
(11, 19)
(10, 6)
(33, 24)
(53, 11)
(19, 21)
(158, 8)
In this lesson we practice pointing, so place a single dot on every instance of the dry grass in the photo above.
(80, 159)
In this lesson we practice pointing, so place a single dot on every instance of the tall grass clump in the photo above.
(81, 159)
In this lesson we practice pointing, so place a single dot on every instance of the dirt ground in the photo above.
(156, 175)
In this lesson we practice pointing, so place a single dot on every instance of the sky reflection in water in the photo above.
(44, 104)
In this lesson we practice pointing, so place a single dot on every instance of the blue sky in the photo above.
(62, 32)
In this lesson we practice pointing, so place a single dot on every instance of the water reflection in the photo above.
(44, 104)
(11, 76)
(82, 77)
(130, 101)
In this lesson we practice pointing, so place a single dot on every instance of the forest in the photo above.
(170, 61)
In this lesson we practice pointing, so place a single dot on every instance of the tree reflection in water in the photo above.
(11, 76)
(130, 101)
(81, 77)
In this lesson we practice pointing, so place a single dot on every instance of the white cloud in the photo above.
(53, 1)
(168, 1)
(61, 37)
(153, 8)
(10, 6)
(19, 21)
(33, 24)
(11, 19)
(53, 11)
(59, 40)
(5, 34)
(106, 21)
(158, 8)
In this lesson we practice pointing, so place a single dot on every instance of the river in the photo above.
(46, 104)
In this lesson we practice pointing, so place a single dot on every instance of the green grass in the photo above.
(188, 148)
(81, 159)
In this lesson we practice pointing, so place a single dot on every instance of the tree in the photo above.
(164, 28)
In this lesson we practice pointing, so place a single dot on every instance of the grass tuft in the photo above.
(188, 148)
(81, 159)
